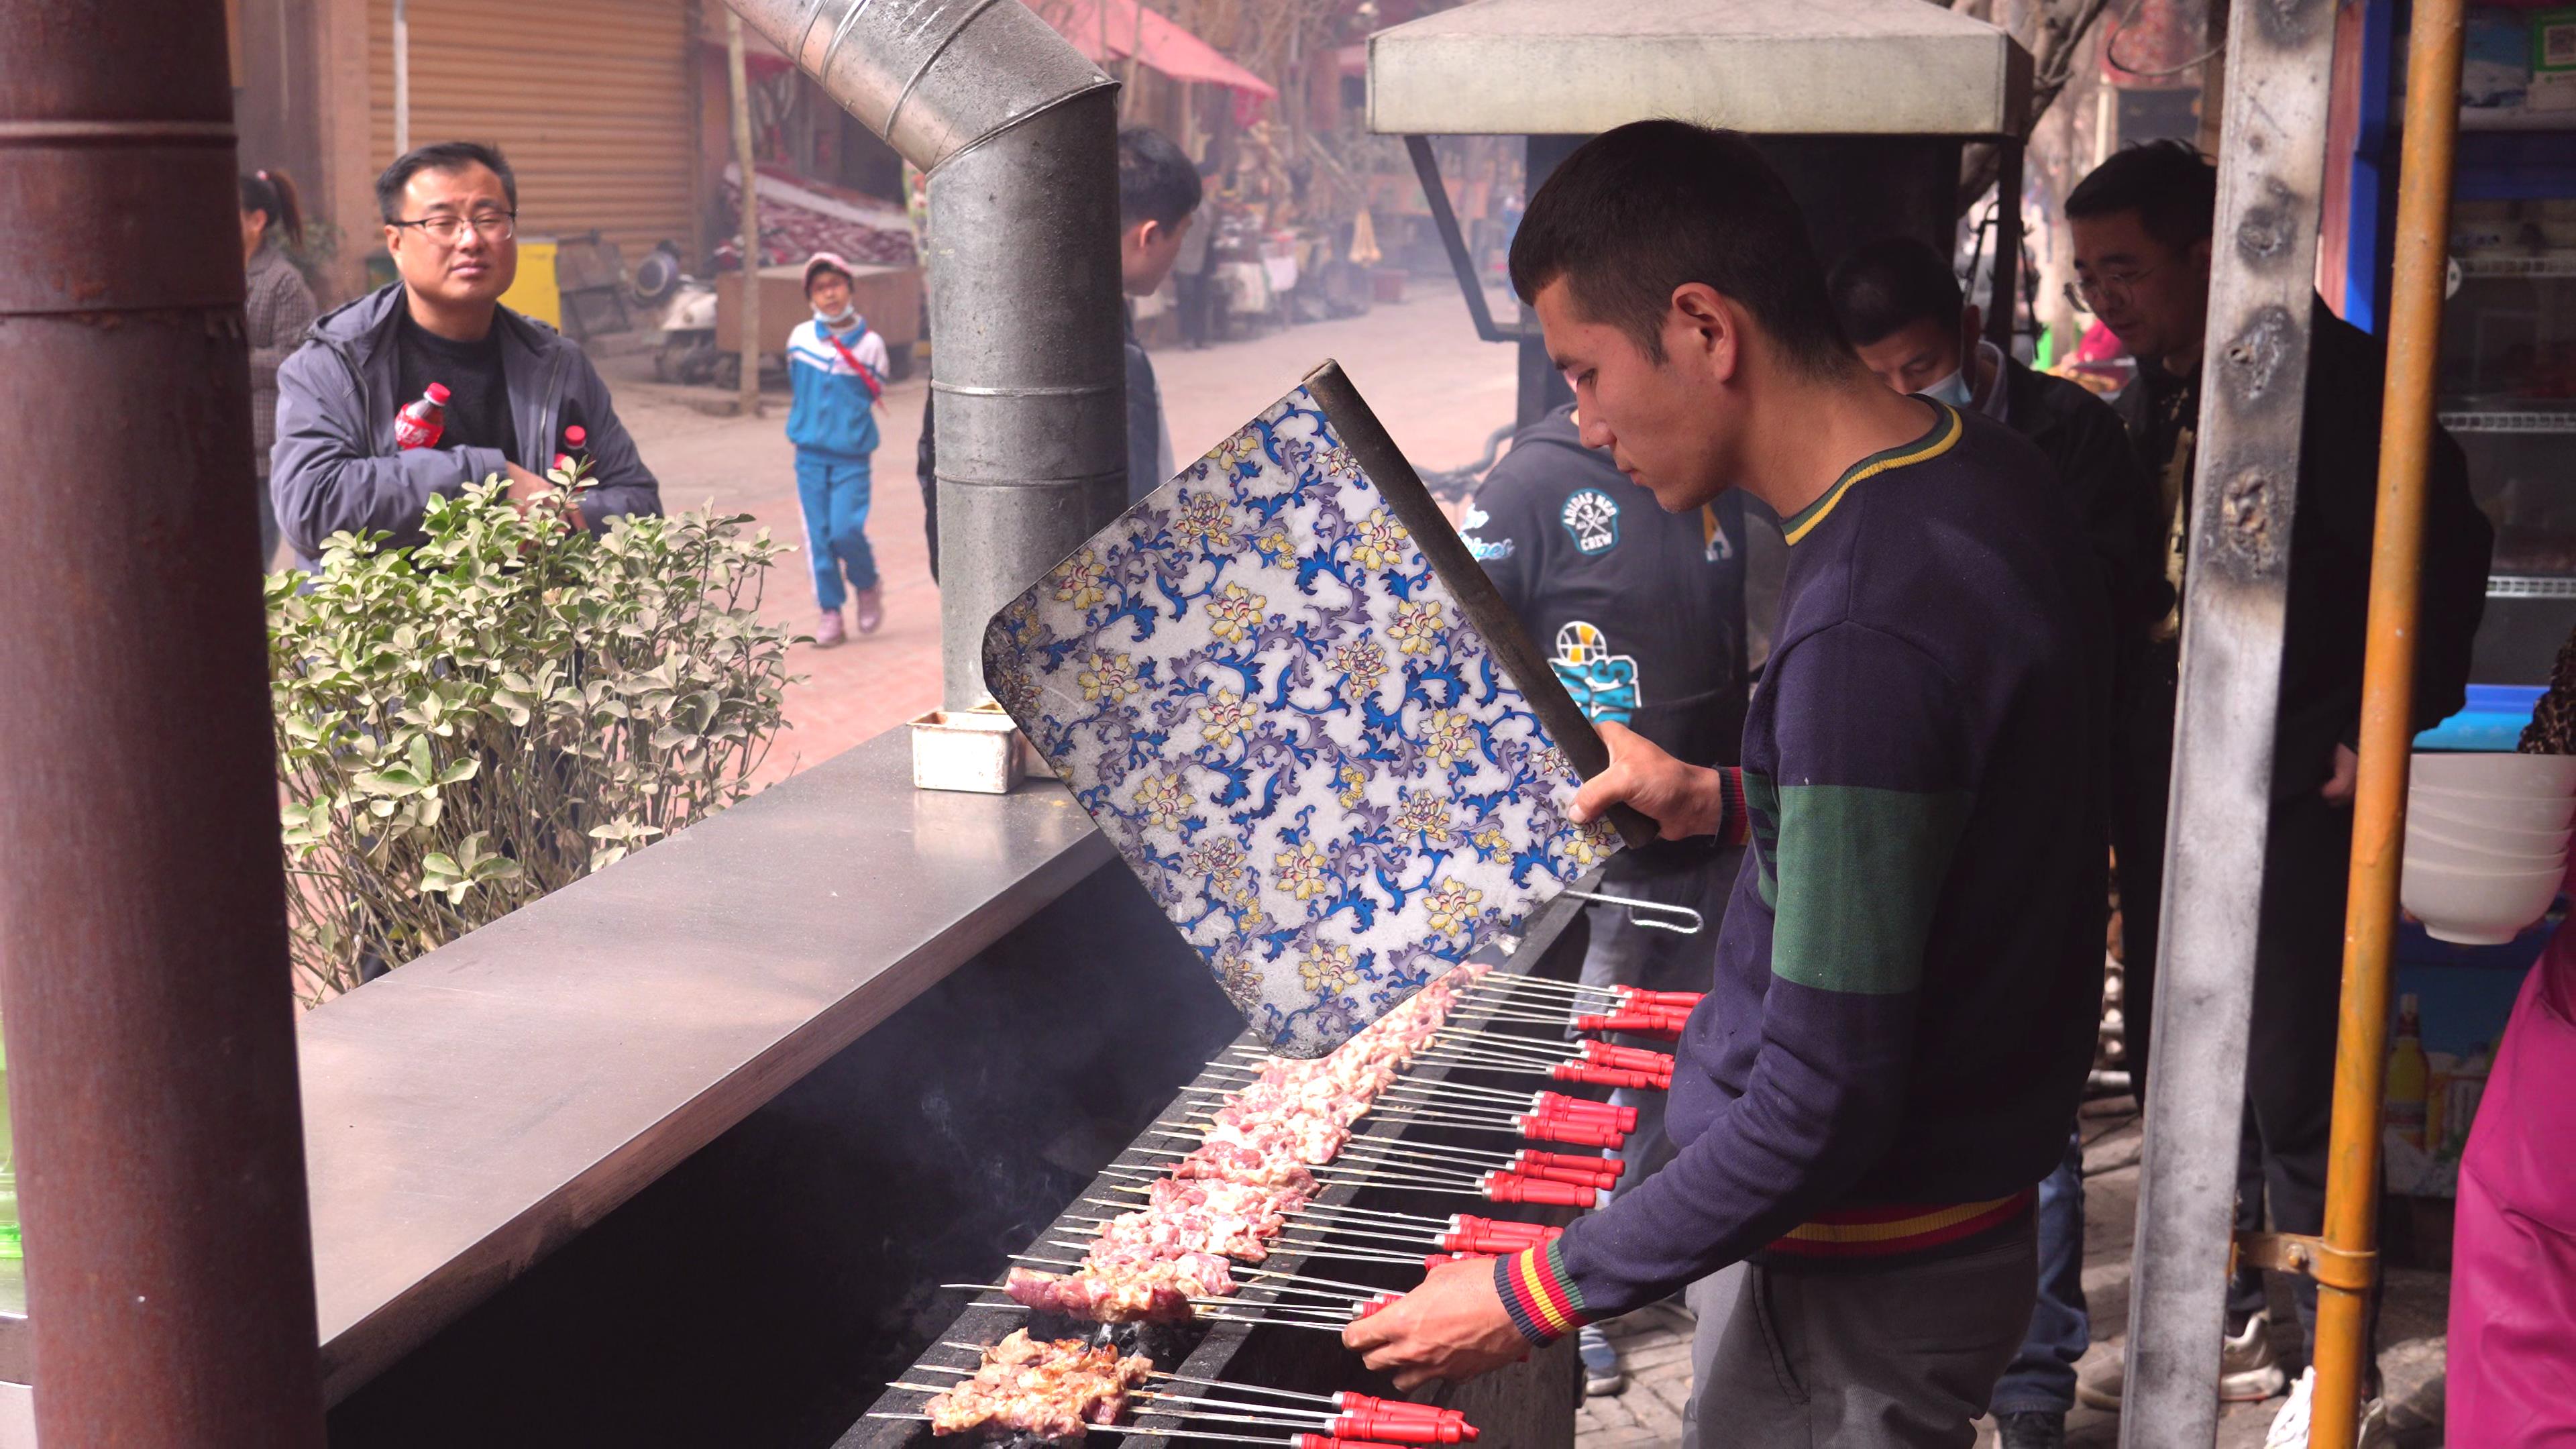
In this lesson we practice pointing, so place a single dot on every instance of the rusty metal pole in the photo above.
(2387, 724)
(151, 1032)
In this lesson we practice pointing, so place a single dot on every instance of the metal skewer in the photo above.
(1330, 1401)
(1301, 1442)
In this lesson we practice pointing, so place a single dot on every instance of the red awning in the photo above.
(1108, 31)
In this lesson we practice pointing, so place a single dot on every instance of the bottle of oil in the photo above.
(2408, 1076)
(9, 1242)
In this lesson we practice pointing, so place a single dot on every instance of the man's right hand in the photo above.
(1682, 799)
(528, 492)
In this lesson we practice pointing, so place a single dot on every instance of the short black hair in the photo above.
(1890, 285)
(1634, 213)
(1156, 180)
(441, 156)
(2171, 186)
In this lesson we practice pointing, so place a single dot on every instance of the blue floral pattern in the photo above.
(1262, 691)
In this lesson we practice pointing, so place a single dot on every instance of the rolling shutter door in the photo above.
(588, 98)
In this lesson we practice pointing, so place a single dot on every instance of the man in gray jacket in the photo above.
(514, 388)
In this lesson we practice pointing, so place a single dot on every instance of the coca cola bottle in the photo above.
(421, 424)
(573, 437)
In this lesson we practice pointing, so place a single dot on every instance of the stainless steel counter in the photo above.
(476, 1109)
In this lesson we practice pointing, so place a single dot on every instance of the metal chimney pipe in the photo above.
(1019, 135)
(151, 1028)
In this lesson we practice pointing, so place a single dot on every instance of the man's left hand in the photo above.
(1452, 1327)
(2347, 769)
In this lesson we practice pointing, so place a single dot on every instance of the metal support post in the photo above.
(151, 1029)
(2003, 299)
(2387, 707)
(2255, 365)
(744, 155)
(1020, 136)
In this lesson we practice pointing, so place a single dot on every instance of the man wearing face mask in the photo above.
(1902, 308)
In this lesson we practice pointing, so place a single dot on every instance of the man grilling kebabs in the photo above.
(1907, 982)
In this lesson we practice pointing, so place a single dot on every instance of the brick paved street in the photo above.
(1438, 389)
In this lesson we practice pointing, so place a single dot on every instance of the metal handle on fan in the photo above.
(1697, 922)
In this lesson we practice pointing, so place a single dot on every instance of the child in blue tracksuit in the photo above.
(836, 366)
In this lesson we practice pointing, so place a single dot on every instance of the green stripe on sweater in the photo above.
(1860, 874)
(1762, 809)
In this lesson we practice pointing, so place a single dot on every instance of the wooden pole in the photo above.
(740, 78)
(2343, 1348)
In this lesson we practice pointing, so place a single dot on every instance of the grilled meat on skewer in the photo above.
(1055, 1390)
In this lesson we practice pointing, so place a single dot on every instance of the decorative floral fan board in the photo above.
(1295, 704)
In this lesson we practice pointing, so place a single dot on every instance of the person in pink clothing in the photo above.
(2512, 1347)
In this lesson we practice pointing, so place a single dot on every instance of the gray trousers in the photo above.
(1855, 1359)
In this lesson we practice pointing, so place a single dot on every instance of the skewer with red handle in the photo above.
(1494, 1186)
(1594, 1171)
(1256, 1063)
(1564, 1130)
(1540, 986)
(1608, 1054)
(1293, 1441)
(1609, 996)
(1345, 1400)
(1141, 1183)
(1584, 1072)
(1415, 1088)
(1648, 1022)
(1457, 1231)
(1331, 1324)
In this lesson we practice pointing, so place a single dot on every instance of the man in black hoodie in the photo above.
(1625, 600)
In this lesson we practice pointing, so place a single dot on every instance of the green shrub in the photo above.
(469, 723)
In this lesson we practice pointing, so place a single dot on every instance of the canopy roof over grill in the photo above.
(1813, 67)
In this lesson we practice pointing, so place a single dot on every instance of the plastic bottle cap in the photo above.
(438, 392)
(574, 435)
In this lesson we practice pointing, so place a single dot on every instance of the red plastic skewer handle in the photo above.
(1599, 1076)
(1634, 1059)
(1511, 1187)
(1648, 1025)
(1400, 1428)
(1470, 1223)
(1623, 1118)
(1610, 1167)
(1488, 1231)
(1327, 1441)
(1570, 1132)
(1565, 1174)
(1574, 1109)
(1352, 1402)
(1683, 999)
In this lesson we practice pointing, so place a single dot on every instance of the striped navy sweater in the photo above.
(1908, 982)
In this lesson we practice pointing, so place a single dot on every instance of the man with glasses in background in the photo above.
(2142, 222)
(514, 388)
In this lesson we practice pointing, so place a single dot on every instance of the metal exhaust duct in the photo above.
(1019, 133)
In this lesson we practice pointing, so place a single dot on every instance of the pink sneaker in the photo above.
(829, 634)
(869, 609)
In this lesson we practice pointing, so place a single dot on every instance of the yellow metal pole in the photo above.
(2387, 724)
